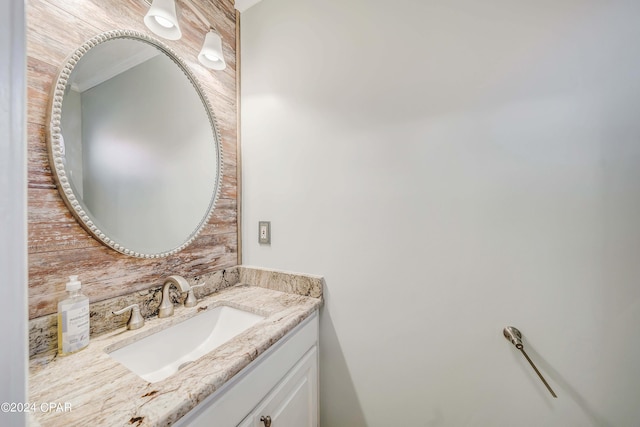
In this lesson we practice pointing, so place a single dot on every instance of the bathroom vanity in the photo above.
(247, 352)
(264, 375)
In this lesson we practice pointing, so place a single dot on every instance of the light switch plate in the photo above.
(264, 232)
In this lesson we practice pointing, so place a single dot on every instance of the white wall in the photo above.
(452, 168)
(13, 212)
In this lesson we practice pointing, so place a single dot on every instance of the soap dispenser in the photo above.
(73, 319)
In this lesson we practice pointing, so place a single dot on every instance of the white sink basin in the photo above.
(162, 354)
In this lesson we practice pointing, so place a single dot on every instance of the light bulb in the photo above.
(163, 21)
(211, 57)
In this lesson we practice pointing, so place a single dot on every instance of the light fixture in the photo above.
(162, 19)
(211, 54)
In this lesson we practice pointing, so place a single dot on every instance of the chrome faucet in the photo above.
(191, 299)
(166, 306)
(136, 321)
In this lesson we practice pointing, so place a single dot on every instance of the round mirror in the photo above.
(133, 145)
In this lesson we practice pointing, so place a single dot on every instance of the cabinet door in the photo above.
(294, 402)
(248, 422)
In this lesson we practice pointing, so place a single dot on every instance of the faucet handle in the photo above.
(191, 299)
(136, 320)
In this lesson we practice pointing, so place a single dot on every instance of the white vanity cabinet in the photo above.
(294, 401)
(278, 389)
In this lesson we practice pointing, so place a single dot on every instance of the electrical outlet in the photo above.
(264, 232)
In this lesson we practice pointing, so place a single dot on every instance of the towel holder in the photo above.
(513, 335)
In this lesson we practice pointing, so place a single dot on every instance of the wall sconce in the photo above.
(211, 53)
(162, 20)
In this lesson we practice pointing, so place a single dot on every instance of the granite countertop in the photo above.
(91, 388)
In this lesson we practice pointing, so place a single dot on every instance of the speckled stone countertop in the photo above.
(91, 388)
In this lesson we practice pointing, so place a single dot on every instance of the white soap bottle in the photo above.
(73, 319)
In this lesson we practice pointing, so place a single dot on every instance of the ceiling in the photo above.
(243, 5)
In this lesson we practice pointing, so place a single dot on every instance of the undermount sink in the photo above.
(163, 353)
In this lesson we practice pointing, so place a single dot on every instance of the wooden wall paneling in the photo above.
(238, 137)
(51, 229)
(37, 160)
(107, 274)
(58, 245)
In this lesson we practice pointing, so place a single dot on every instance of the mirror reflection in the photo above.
(138, 147)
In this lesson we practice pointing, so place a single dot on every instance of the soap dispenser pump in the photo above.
(73, 319)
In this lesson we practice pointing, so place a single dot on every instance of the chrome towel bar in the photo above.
(515, 336)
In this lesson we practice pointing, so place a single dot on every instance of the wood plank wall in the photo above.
(58, 245)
